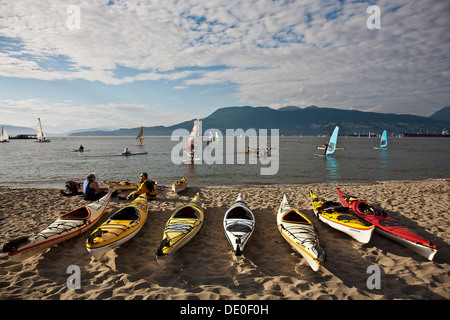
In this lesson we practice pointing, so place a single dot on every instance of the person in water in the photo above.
(91, 190)
(147, 187)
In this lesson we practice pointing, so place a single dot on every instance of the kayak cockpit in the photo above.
(78, 214)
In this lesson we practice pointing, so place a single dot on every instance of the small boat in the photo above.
(67, 226)
(339, 218)
(181, 227)
(330, 147)
(383, 141)
(180, 185)
(388, 226)
(238, 223)
(4, 136)
(126, 154)
(120, 185)
(41, 137)
(299, 232)
(119, 228)
(141, 135)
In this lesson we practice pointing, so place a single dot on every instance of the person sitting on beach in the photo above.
(146, 187)
(126, 151)
(81, 148)
(91, 190)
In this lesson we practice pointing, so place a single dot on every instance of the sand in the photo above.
(205, 270)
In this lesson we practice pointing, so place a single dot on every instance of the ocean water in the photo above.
(24, 163)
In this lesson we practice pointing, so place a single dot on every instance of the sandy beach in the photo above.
(204, 269)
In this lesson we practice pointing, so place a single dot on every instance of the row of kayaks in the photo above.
(352, 216)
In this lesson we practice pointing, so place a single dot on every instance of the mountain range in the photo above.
(292, 120)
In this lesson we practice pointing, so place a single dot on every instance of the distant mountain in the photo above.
(443, 114)
(15, 130)
(293, 120)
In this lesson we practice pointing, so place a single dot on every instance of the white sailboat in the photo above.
(141, 135)
(192, 141)
(383, 141)
(41, 137)
(4, 136)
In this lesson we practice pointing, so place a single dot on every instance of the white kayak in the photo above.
(299, 232)
(238, 224)
(67, 226)
(126, 154)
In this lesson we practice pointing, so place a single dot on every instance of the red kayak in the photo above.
(388, 226)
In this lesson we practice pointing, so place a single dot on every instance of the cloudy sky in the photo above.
(114, 64)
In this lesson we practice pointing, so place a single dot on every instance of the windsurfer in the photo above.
(326, 148)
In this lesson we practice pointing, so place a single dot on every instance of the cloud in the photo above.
(276, 52)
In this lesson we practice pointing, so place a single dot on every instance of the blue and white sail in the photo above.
(331, 148)
(383, 141)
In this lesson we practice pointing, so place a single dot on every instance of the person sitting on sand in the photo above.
(81, 148)
(91, 190)
(126, 151)
(146, 187)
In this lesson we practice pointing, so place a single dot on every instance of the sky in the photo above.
(84, 64)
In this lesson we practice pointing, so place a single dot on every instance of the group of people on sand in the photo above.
(92, 191)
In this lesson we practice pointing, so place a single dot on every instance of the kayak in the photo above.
(388, 226)
(131, 153)
(180, 185)
(122, 185)
(299, 232)
(119, 228)
(67, 226)
(181, 227)
(340, 218)
(238, 223)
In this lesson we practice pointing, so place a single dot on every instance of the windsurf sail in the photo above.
(4, 136)
(141, 135)
(332, 143)
(383, 141)
(193, 139)
(41, 137)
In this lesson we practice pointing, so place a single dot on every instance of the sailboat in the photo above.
(383, 141)
(141, 135)
(330, 147)
(192, 142)
(41, 137)
(4, 136)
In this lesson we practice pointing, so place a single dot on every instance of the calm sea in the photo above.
(24, 163)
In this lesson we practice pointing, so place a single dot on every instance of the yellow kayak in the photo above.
(181, 227)
(180, 185)
(121, 185)
(339, 218)
(300, 233)
(119, 228)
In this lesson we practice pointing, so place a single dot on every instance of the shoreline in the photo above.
(246, 186)
(204, 269)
